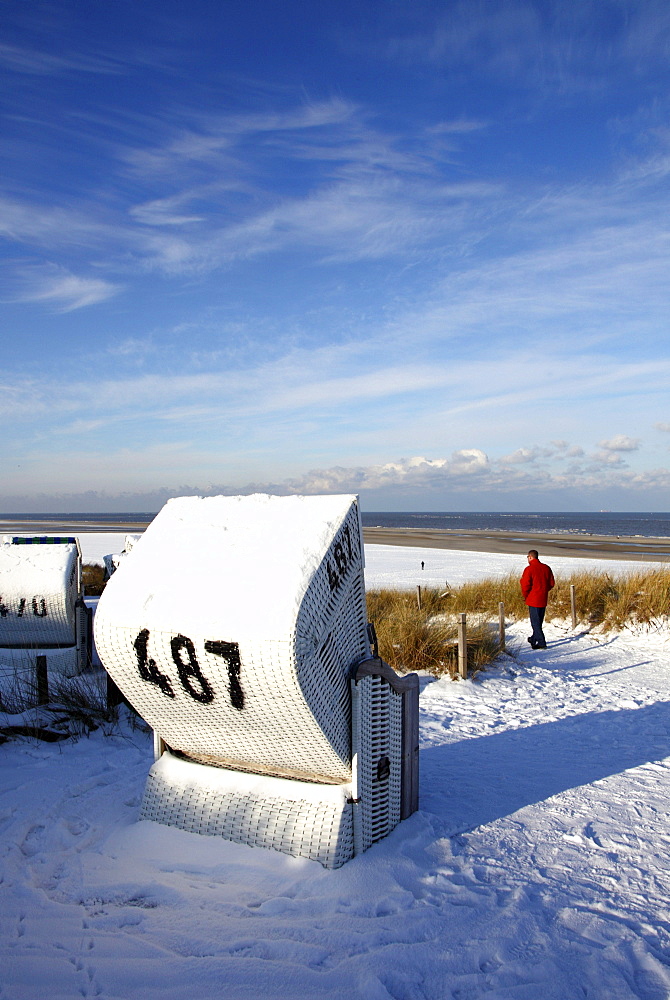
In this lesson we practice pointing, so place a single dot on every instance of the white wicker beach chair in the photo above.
(237, 628)
(113, 559)
(44, 623)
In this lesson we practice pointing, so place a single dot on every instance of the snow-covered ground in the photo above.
(397, 566)
(536, 868)
(400, 566)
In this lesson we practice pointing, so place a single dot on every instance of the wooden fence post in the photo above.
(42, 680)
(573, 607)
(418, 596)
(462, 646)
(114, 696)
(501, 625)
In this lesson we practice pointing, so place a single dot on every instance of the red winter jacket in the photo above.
(536, 582)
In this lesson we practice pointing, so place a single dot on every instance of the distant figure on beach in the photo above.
(422, 564)
(536, 582)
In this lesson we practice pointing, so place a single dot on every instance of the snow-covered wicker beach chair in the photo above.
(113, 559)
(44, 623)
(237, 628)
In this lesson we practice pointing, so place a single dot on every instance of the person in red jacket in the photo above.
(536, 582)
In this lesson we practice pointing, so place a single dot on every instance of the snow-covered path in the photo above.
(536, 868)
(560, 814)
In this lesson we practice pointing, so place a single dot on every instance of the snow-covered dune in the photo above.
(535, 868)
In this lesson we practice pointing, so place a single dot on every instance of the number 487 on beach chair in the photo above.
(237, 628)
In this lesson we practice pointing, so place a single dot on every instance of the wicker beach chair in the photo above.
(44, 623)
(237, 628)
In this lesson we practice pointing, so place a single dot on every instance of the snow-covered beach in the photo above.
(535, 868)
(401, 566)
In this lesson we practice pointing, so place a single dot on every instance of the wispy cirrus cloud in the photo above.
(556, 51)
(39, 62)
(205, 139)
(61, 290)
(370, 197)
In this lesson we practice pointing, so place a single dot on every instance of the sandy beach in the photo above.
(549, 545)
(499, 542)
(63, 526)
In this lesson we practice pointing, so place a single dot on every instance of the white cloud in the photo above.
(467, 472)
(605, 458)
(494, 476)
(213, 138)
(416, 472)
(468, 461)
(64, 291)
(166, 211)
(48, 225)
(303, 390)
(620, 442)
(523, 456)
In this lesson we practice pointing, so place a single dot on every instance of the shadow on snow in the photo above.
(478, 780)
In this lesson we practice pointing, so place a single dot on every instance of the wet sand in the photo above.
(62, 526)
(548, 545)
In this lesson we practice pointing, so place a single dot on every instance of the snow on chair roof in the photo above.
(250, 557)
(233, 624)
(38, 590)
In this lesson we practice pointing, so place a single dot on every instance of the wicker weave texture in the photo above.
(377, 737)
(281, 700)
(319, 829)
(331, 635)
(38, 591)
(275, 724)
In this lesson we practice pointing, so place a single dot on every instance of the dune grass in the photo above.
(608, 601)
(425, 639)
(93, 579)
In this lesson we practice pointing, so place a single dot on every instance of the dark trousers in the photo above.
(536, 619)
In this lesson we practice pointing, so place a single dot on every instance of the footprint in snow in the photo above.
(33, 842)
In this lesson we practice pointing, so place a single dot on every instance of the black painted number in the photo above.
(230, 652)
(342, 556)
(192, 679)
(147, 666)
(39, 606)
(191, 669)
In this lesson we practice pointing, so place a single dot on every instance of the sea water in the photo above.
(630, 524)
(656, 525)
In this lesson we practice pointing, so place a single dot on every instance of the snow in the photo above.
(179, 774)
(399, 566)
(536, 867)
(38, 593)
(220, 548)
(194, 579)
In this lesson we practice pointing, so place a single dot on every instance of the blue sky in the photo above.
(413, 250)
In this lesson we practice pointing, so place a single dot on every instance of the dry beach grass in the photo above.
(413, 638)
